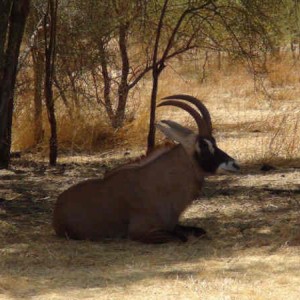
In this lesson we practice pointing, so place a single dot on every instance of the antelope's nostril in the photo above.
(229, 166)
(235, 165)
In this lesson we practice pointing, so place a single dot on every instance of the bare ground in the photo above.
(253, 220)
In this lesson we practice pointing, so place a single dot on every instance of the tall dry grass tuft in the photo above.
(285, 139)
(84, 131)
(283, 72)
(23, 131)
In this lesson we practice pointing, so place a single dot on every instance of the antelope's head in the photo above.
(202, 147)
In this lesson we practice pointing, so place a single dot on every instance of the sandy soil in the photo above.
(253, 220)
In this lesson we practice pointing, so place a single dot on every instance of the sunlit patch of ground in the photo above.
(253, 221)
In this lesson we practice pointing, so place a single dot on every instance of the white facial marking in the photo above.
(230, 166)
(198, 150)
(210, 146)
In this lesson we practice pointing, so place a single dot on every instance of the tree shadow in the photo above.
(31, 253)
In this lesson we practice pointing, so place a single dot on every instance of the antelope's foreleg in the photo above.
(159, 237)
(191, 230)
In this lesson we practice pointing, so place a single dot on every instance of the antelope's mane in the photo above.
(144, 160)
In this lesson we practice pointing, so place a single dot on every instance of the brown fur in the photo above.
(138, 200)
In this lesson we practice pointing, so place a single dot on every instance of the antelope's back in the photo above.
(92, 208)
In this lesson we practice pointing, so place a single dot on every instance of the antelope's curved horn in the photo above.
(202, 126)
(204, 111)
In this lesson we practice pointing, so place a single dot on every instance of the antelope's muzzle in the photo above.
(229, 166)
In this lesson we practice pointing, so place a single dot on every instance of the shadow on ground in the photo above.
(236, 215)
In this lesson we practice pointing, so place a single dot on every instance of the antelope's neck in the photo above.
(196, 175)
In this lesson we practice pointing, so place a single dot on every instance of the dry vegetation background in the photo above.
(252, 218)
(258, 115)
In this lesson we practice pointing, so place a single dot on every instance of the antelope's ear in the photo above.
(178, 133)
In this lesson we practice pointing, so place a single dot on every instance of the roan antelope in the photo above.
(144, 200)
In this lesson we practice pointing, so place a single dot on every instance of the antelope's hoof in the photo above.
(199, 232)
(183, 238)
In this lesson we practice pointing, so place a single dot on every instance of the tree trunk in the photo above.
(38, 69)
(5, 9)
(151, 134)
(156, 70)
(63, 96)
(219, 53)
(123, 87)
(293, 49)
(106, 81)
(204, 75)
(119, 117)
(8, 68)
(50, 46)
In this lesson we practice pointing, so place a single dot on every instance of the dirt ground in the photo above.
(253, 220)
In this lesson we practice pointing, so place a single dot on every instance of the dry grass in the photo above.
(253, 221)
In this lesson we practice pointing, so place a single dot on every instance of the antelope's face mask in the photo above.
(211, 158)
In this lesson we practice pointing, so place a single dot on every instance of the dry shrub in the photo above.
(78, 134)
(23, 132)
(135, 133)
(82, 131)
(272, 139)
(282, 73)
(285, 139)
(284, 94)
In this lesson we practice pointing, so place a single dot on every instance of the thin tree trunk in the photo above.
(63, 97)
(50, 45)
(74, 92)
(155, 74)
(151, 134)
(17, 20)
(5, 10)
(219, 60)
(203, 76)
(123, 87)
(38, 69)
(293, 49)
(106, 81)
